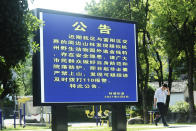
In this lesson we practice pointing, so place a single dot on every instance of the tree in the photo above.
(23, 73)
(141, 14)
(17, 25)
(176, 21)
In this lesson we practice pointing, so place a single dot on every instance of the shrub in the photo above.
(180, 107)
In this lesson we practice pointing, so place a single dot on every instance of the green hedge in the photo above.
(180, 107)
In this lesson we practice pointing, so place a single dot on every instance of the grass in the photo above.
(136, 127)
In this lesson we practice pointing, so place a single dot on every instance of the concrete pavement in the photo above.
(171, 128)
(176, 128)
(9, 122)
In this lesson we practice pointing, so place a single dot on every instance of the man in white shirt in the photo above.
(159, 101)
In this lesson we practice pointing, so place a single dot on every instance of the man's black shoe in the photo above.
(166, 125)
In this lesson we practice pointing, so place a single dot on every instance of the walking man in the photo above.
(159, 101)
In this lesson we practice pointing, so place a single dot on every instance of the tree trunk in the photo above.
(160, 68)
(159, 80)
(144, 106)
(170, 80)
(190, 65)
(144, 101)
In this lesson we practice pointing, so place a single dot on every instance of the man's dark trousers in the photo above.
(162, 110)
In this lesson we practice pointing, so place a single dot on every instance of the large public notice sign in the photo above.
(85, 59)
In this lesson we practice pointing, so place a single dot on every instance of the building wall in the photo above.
(186, 94)
(176, 97)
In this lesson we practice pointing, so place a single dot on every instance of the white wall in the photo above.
(194, 93)
(176, 97)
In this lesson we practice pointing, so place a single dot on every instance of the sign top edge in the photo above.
(37, 10)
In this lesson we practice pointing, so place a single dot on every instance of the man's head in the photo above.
(164, 86)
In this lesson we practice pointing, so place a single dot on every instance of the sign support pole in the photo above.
(119, 122)
(59, 118)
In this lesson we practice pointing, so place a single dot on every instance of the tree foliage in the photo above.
(23, 73)
(14, 31)
(174, 21)
(17, 25)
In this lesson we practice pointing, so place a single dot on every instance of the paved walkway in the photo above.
(187, 127)
(177, 128)
(171, 128)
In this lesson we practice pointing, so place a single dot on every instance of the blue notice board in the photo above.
(85, 59)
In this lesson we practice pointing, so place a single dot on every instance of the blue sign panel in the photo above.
(87, 60)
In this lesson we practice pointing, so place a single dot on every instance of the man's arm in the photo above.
(168, 92)
(155, 102)
(155, 98)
